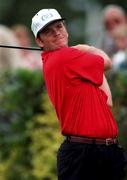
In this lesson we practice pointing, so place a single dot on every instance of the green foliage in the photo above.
(45, 142)
(29, 135)
(20, 99)
(118, 84)
(29, 130)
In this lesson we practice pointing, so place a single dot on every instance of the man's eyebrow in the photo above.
(50, 26)
(46, 29)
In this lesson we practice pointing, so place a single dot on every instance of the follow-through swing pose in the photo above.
(77, 87)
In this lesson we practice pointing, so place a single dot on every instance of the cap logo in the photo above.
(46, 16)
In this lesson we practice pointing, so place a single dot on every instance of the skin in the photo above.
(93, 50)
(55, 36)
(114, 17)
(120, 37)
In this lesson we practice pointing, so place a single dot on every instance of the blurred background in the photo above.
(29, 131)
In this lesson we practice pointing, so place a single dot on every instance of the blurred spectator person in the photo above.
(9, 58)
(30, 59)
(113, 16)
(119, 59)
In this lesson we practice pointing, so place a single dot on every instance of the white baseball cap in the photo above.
(43, 18)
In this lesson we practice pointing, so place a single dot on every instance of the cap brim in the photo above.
(50, 23)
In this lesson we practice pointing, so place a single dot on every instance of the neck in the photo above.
(46, 49)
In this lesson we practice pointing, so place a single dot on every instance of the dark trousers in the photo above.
(79, 161)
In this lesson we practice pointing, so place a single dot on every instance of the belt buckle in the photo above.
(109, 141)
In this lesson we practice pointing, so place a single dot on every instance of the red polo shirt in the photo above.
(72, 79)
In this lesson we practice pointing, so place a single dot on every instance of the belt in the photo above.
(107, 141)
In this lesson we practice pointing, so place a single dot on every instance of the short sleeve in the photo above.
(85, 66)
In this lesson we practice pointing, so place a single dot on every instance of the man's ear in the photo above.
(39, 42)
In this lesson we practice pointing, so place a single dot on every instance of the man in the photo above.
(113, 16)
(74, 81)
(10, 59)
(29, 58)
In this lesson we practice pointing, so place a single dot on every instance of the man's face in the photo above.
(113, 19)
(53, 37)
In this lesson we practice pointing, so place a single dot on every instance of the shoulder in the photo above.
(66, 52)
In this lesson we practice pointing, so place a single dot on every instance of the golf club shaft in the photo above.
(21, 47)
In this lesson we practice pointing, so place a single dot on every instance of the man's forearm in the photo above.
(105, 87)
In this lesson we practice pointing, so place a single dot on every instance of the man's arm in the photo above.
(105, 87)
(93, 50)
(107, 64)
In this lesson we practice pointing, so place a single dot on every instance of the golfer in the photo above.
(73, 77)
